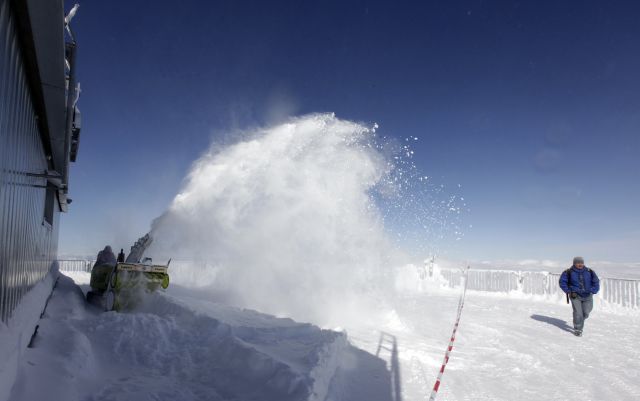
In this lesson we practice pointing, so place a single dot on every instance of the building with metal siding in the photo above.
(35, 139)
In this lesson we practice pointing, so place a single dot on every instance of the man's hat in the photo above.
(578, 259)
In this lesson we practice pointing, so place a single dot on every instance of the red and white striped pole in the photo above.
(447, 354)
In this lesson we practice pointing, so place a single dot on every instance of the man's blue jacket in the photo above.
(582, 281)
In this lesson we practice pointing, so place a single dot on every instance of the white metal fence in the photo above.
(614, 291)
(75, 265)
(85, 265)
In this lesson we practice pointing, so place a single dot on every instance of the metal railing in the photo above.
(615, 291)
(75, 265)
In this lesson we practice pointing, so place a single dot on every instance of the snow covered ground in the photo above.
(184, 346)
(510, 349)
(167, 351)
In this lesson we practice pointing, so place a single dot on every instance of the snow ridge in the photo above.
(170, 350)
(16, 334)
(325, 370)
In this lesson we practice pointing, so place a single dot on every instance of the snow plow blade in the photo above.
(123, 286)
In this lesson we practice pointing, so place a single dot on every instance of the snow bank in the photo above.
(173, 348)
(329, 359)
(16, 334)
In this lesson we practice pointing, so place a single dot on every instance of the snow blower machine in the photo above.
(123, 285)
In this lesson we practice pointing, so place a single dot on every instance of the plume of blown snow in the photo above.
(284, 220)
(301, 220)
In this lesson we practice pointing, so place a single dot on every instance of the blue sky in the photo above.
(533, 107)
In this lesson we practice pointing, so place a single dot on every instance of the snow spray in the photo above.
(302, 219)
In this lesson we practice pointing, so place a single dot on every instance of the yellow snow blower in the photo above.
(123, 285)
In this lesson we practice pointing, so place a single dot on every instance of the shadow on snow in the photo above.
(559, 323)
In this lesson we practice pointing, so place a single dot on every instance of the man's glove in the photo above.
(573, 295)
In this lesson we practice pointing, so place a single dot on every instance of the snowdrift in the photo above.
(16, 334)
(169, 350)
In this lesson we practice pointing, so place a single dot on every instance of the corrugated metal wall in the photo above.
(28, 244)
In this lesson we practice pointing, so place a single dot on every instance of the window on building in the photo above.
(49, 203)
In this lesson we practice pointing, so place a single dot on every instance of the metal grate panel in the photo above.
(28, 244)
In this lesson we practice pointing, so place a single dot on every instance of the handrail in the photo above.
(602, 277)
(624, 292)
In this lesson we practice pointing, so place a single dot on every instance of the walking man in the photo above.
(580, 283)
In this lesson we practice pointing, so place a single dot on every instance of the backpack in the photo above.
(568, 272)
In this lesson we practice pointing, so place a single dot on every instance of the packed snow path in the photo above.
(511, 349)
(179, 349)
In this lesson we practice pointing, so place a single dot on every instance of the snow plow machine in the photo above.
(124, 285)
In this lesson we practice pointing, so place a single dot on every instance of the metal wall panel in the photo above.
(28, 245)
